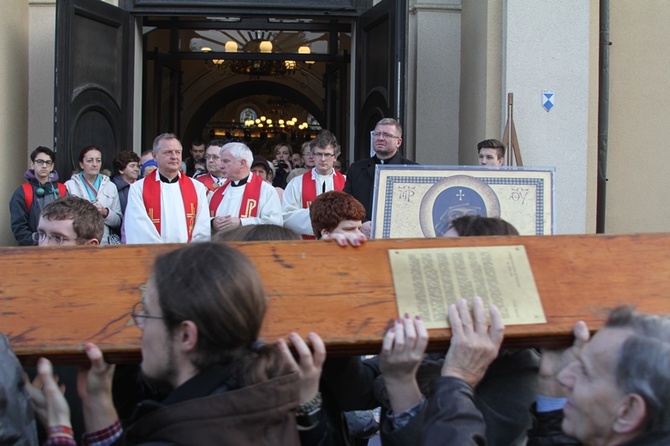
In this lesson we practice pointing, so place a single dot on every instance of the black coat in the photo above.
(361, 177)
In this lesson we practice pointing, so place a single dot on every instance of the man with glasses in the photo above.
(213, 178)
(226, 386)
(69, 221)
(301, 191)
(386, 140)
(42, 187)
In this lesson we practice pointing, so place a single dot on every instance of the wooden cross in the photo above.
(575, 275)
(190, 219)
(155, 221)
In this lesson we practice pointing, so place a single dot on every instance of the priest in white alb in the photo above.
(167, 206)
(244, 199)
(303, 189)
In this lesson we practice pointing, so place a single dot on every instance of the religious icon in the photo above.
(455, 197)
(421, 201)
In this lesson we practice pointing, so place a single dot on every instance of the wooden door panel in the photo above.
(94, 79)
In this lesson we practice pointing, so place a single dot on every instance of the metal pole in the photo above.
(603, 114)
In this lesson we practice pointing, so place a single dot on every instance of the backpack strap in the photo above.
(62, 190)
(28, 195)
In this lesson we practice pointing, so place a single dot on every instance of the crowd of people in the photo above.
(207, 378)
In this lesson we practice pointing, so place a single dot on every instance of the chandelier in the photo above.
(255, 67)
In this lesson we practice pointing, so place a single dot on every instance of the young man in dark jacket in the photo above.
(42, 188)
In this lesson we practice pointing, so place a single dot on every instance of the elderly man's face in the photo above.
(232, 168)
(168, 157)
(594, 399)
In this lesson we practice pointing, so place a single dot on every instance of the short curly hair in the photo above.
(123, 158)
(87, 221)
(331, 208)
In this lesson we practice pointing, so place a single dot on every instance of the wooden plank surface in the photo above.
(55, 299)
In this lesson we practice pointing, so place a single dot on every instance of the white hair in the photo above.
(239, 151)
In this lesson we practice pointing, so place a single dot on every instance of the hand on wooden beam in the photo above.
(346, 238)
(47, 397)
(94, 385)
(473, 345)
(310, 363)
(402, 352)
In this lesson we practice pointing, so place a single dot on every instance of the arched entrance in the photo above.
(224, 69)
(265, 98)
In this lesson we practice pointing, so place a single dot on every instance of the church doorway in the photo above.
(260, 81)
(128, 73)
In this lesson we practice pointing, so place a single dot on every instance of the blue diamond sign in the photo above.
(547, 99)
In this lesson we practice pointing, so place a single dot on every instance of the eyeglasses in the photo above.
(383, 135)
(212, 157)
(323, 155)
(44, 162)
(41, 237)
(307, 154)
(139, 314)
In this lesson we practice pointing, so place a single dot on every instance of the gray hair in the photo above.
(164, 136)
(643, 363)
(391, 121)
(240, 152)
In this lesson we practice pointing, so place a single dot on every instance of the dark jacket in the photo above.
(24, 223)
(209, 409)
(361, 178)
(503, 396)
(451, 417)
(123, 188)
(17, 421)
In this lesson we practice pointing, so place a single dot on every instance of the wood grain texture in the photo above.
(55, 299)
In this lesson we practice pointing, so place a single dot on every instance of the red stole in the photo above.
(250, 199)
(309, 187)
(208, 181)
(151, 194)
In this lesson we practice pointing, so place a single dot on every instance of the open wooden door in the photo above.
(94, 80)
(380, 71)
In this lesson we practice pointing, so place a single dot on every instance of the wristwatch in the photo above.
(309, 420)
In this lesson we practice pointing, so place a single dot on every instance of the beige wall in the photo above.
(510, 46)
(13, 105)
(481, 76)
(639, 114)
(592, 155)
(41, 59)
(433, 82)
